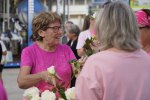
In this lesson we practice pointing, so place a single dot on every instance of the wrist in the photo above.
(41, 77)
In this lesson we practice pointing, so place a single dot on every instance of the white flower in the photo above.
(51, 70)
(36, 97)
(31, 92)
(47, 95)
(70, 93)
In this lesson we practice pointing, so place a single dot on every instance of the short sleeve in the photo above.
(26, 58)
(81, 40)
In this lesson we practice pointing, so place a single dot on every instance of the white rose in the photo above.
(30, 92)
(70, 93)
(47, 95)
(51, 70)
(36, 97)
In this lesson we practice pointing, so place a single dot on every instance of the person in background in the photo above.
(90, 32)
(120, 71)
(46, 51)
(2, 89)
(73, 33)
(143, 20)
(64, 38)
(4, 53)
(68, 23)
(7, 38)
(86, 23)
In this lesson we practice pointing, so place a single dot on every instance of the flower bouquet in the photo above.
(91, 46)
(76, 67)
(34, 94)
(48, 95)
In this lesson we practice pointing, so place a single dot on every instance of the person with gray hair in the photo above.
(121, 70)
(73, 33)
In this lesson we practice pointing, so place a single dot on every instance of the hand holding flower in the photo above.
(82, 60)
(52, 74)
(49, 78)
(76, 67)
(91, 46)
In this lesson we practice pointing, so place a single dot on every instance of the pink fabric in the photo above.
(3, 95)
(110, 75)
(142, 18)
(149, 53)
(39, 60)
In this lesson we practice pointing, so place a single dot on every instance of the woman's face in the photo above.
(71, 36)
(145, 34)
(53, 34)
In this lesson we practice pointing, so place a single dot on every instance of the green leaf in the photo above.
(61, 92)
(88, 41)
(89, 52)
(72, 61)
(54, 90)
(77, 64)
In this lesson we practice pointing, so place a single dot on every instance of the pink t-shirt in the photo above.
(39, 60)
(149, 53)
(110, 75)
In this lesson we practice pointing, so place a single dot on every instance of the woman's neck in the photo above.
(45, 46)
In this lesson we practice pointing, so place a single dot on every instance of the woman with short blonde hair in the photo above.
(121, 70)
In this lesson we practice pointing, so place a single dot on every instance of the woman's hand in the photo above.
(49, 78)
(82, 60)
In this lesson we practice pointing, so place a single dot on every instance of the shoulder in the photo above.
(85, 33)
(99, 59)
(30, 48)
(99, 55)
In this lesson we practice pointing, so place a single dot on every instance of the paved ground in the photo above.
(10, 83)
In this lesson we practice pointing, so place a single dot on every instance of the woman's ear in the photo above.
(41, 33)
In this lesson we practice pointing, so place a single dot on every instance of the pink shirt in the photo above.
(39, 60)
(110, 75)
(149, 53)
